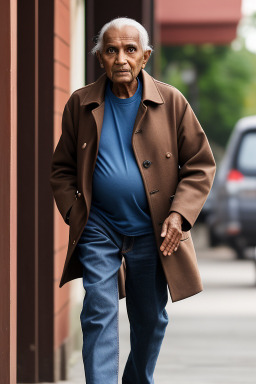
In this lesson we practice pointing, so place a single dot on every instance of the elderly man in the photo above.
(130, 175)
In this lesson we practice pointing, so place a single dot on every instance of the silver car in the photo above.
(232, 215)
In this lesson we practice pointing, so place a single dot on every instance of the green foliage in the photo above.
(223, 88)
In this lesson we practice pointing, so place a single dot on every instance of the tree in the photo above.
(216, 81)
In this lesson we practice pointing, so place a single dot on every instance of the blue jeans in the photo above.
(100, 250)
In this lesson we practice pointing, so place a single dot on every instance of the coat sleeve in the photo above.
(63, 178)
(196, 169)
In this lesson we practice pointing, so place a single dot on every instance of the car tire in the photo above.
(213, 238)
(239, 249)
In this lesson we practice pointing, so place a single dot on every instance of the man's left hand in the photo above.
(172, 232)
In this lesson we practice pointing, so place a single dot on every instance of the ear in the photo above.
(146, 57)
(100, 59)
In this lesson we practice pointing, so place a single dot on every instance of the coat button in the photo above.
(78, 194)
(146, 163)
(168, 155)
(84, 145)
(74, 242)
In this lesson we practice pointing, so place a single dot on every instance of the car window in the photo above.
(246, 159)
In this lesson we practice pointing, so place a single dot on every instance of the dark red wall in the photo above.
(197, 21)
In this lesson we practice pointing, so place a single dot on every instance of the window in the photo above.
(246, 158)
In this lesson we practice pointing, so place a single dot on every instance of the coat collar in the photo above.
(96, 90)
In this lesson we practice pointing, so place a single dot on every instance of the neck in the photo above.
(125, 90)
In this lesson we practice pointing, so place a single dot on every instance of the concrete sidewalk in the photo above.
(211, 337)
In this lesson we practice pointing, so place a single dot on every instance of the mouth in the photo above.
(122, 71)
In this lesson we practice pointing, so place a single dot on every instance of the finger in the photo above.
(169, 247)
(173, 244)
(166, 249)
(164, 229)
(166, 241)
(176, 244)
(176, 241)
(171, 241)
(172, 249)
(171, 235)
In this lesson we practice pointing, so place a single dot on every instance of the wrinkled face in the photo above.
(122, 56)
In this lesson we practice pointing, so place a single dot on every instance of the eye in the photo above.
(131, 49)
(111, 50)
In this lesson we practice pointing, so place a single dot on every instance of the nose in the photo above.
(121, 58)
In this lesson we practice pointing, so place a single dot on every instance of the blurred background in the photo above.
(207, 49)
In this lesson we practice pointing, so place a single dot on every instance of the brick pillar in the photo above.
(43, 89)
(8, 190)
(61, 86)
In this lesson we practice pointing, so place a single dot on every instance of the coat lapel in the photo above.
(140, 115)
(98, 114)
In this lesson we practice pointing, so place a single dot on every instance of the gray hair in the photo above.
(118, 23)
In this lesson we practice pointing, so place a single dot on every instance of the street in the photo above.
(211, 337)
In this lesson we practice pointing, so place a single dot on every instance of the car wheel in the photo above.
(239, 248)
(213, 238)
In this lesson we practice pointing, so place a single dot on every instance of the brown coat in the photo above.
(167, 133)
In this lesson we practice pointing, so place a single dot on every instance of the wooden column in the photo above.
(45, 224)
(43, 84)
(35, 336)
(8, 190)
(27, 316)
